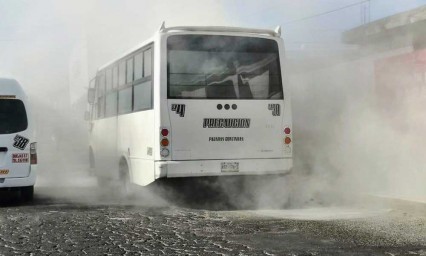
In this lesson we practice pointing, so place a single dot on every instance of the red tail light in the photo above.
(164, 142)
(287, 130)
(164, 132)
(33, 153)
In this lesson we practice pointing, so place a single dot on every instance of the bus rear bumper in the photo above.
(20, 182)
(174, 169)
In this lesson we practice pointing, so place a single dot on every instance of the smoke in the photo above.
(348, 144)
(345, 142)
(53, 48)
(357, 125)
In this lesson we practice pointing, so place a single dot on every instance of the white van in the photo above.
(18, 153)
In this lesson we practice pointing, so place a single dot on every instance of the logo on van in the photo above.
(4, 171)
(179, 109)
(275, 109)
(20, 142)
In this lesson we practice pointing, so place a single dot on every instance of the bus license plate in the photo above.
(230, 167)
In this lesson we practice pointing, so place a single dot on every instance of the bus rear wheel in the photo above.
(127, 189)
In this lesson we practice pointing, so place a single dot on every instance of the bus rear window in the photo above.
(223, 67)
(13, 117)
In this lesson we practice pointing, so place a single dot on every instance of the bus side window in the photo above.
(101, 83)
(101, 107)
(122, 73)
(111, 104)
(138, 66)
(101, 95)
(108, 79)
(129, 73)
(143, 96)
(95, 110)
(115, 77)
(147, 60)
(125, 100)
(142, 91)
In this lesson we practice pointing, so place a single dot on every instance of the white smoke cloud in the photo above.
(343, 146)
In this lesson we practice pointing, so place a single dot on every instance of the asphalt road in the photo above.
(84, 220)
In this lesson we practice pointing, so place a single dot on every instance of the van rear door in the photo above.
(14, 139)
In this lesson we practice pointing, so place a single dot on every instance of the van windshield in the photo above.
(223, 67)
(13, 117)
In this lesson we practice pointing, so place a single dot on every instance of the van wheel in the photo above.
(27, 193)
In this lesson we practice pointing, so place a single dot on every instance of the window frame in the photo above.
(139, 52)
(274, 44)
(144, 78)
(116, 88)
(100, 94)
(18, 105)
(108, 79)
(115, 75)
(130, 59)
(119, 63)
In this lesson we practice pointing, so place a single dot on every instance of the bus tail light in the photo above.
(164, 132)
(164, 142)
(287, 140)
(33, 153)
(164, 152)
(287, 130)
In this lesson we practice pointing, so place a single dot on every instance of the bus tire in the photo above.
(126, 188)
(27, 193)
(91, 162)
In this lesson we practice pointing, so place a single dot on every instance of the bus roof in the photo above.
(10, 87)
(163, 29)
(274, 33)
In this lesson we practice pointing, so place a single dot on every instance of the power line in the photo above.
(327, 12)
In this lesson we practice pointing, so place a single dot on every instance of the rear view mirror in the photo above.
(91, 95)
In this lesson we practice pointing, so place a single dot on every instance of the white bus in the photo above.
(18, 154)
(191, 102)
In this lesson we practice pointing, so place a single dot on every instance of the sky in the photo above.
(299, 30)
(38, 38)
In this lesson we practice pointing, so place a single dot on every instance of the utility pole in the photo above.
(365, 12)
